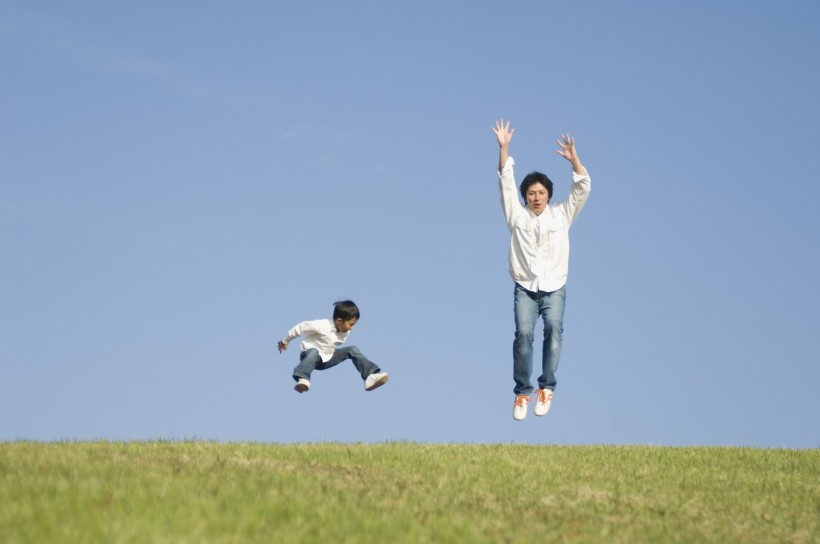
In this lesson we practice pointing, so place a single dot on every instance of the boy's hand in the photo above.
(282, 346)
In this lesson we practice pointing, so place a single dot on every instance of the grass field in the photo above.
(404, 492)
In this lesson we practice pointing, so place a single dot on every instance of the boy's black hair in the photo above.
(345, 310)
(535, 177)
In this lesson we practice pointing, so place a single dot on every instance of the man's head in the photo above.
(345, 315)
(536, 190)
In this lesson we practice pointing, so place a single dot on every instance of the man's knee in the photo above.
(553, 328)
(524, 335)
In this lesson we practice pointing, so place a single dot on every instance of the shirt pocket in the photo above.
(553, 239)
(525, 232)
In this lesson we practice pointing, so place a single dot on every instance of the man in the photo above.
(539, 261)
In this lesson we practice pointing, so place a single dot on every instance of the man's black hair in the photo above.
(532, 178)
(345, 310)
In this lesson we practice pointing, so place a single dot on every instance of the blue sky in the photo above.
(183, 182)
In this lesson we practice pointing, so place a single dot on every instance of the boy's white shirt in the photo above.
(539, 244)
(320, 334)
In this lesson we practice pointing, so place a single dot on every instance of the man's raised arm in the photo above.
(504, 135)
(568, 151)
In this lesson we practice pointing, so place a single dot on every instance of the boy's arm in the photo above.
(291, 334)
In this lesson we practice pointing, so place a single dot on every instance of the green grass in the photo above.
(404, 492)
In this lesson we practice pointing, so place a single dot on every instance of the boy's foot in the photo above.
(543, 401)
(377, 379)
(302, 385)
(520, 407)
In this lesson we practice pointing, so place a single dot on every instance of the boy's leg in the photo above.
(309, 360)
(365, 366)
(525, 308)
(552, 311)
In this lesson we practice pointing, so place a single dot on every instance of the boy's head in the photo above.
(533, 178)
(345, 315)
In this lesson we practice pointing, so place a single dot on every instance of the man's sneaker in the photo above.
(520, 407)
(302, 385)
(377, 379)
(542, 401)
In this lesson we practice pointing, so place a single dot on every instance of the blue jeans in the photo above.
(528, 307)
(310, 360)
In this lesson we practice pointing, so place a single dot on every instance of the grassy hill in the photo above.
(404, 492)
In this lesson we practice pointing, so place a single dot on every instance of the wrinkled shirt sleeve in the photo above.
(303, 328)
(578, 194)
(509, 195)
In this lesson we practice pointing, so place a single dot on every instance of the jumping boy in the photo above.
(320, 349)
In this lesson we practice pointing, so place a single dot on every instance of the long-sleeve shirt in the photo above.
(539, 244)
(320, 334)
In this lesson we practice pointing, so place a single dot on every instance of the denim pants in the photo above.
(528, 306)
(310, 360)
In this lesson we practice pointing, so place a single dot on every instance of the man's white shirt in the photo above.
(539, 244)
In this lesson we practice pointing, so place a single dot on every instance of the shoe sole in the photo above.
(301, 388)
(379, 383)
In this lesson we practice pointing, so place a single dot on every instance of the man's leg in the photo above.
(525, 309)
(551, 306)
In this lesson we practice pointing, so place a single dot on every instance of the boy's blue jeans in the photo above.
(310, 360)
(528, 307)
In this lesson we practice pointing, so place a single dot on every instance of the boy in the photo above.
(320, 349)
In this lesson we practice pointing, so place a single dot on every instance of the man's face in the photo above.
(537, 198)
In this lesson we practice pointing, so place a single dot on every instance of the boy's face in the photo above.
(537, 198)
(345, 326)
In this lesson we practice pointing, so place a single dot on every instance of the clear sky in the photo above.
(182, 182)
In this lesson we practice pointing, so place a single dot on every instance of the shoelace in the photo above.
(521, 400)
(543, 396)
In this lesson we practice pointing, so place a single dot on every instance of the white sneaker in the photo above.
(543, 401)
(302, 385)
(520, 407)
(377, 379)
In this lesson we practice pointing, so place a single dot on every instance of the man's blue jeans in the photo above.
(310, 360)
(528, 307)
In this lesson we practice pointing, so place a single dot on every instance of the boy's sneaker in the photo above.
(543, 401)
(520, 407)
(377, 379)
(302, 385)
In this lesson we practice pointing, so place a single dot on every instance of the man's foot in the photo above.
(302, 385)
(377, 379)
(543, 401)
(520, 407)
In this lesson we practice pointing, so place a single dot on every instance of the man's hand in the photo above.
(503, 133)
(568, 151)
(282, 346)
